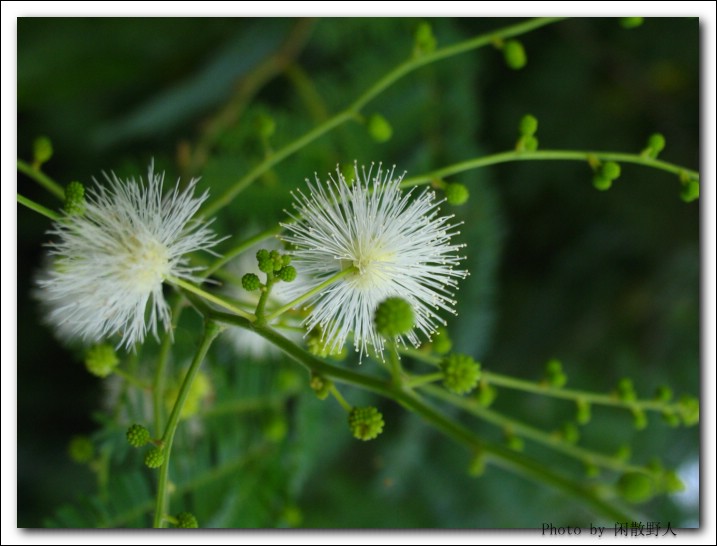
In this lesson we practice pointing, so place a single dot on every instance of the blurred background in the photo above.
(608, 282)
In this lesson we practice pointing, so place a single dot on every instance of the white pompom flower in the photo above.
(395, 245)
(108, 265)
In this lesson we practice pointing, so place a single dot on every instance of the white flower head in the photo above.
(398, 245)
(109, 264)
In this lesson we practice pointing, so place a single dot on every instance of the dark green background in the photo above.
(607, 282)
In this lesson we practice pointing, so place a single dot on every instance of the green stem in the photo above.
(340, 399)
(211, 331)
(41, 178)
(352, 111)
(508, 423)
(307, 295)
(498, 454)
(189, 287)
(420, 380)
(29, 203)
(546, 155)
(159, 372)
(265, 291)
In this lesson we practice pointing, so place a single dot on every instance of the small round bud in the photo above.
(250, 282)
(101, 360)
(424, 41)
(154, 458)
(514, 54)
(583, 414)
(610, 170)
(529, 143)
(626, 390)
(262, 255)
(487, 394)
(663, 393)
(264, 261)
(631, 22)
(285, 260)
(75, 199)
(187, 520)
(42, 150)
(276, 260)
(276, 428)
(393, 317)
(570, 432)
(528, 125)
(624, 453)
(379, 128)
(460, 373)
(690, 410)
(636, 487)
(287, 273)
(601, 183)
(656, 143)
(265, 126)
(81, 449)
(639, 419)
(365, 423)
(690, 191)
(671, 418)
(317, 345)
(456, 194)
(554, 374)
(515, 443)
(320, 385)
(442, 343)
(671, 482)
(137, 435)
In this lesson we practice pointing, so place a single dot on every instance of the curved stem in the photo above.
(211, 331)
(354, 108)
(29, 203)
(41, 178)
(546, 155)
(189, 287)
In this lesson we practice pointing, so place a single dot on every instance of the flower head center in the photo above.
(371, 267)
(147, 263)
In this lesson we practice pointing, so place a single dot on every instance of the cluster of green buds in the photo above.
(527, 141)
(138, 436)
(605, 174)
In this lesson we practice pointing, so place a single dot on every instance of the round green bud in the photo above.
(186, 520)
(631, 22)
(639, 419)
(287, 273)
(250, 282)
(624, 453)
(530, 143)
(424, 40)
(42, 150)
(276, 428)
(690, 410)
(366, 423)
(690, 191)
(528, 125)
(393, 317)
(514, 54)
(601, 183)
(154, 458)
(610, 170)
(75, 199)
(656, 142)
(456, 194)
(442, 343)
(671, 418)
(636, 487)
(460, 373)
(554, 374)
(277, 260)
(487, 394)
(321, 386)
(515, 443)
(476, 467)
(285, 260)
(137, 435)
(101, 360)
(262, 255)
(265, 126)
(663, 393)
(626, 390)
(81, 449)
(321, 347)
(671, 482)
(379, 128)
(583, 413)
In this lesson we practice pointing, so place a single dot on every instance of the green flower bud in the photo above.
(671, 482)
(285, 260)
(636, 487)
(250, 282)
(265, 261)
(81, 449)
(690, 191)
(456, 194)
(460, 373)
(623, 453)
(631, 22)
(528, 125)
(365, 423)
(186, 520)
(690, 410)
(265, 126)
(514, 54)
(379, 128)
(154, 458)
(663, 393)
(554, 374)
(442, 343)
(101, 360)
(75, 199)
(639, 419)
(320, 385)
(626, 390)
(42, 150)
(570, 432)
(277, 427)
(137, 435)
(610, 170)
(529, 143)
(424, 41)
(287, 273)
(514, 442)
(320, 347)
(583, 414)
(486, 394)
(671, 418)
(656, 143)
(601, 183)
(393, 317)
